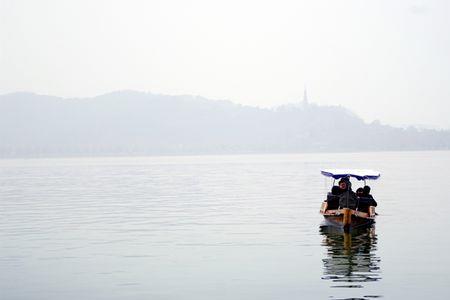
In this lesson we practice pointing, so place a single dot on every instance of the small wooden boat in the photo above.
(348, 214)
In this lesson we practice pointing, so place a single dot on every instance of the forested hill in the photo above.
(135, 123)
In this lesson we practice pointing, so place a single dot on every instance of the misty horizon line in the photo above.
(418, 126)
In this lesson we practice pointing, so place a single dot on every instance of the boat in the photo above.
(344, 209)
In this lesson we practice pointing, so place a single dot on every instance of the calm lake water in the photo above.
(220, 227)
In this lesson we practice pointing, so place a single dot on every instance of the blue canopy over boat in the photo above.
(356, 173)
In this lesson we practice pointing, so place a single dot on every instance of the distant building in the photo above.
(305, 98)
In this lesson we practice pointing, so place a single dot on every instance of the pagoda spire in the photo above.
(305, 96)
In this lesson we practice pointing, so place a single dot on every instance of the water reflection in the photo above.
(351, 261)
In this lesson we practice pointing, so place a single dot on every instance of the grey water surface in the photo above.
(219, 227)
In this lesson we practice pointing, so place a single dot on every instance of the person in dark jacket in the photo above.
(367, 194)
(363, 202)
(348, 198)
(366, 191)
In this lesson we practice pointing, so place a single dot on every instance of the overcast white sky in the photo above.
(386, 60)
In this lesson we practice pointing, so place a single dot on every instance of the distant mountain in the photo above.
(135, 123)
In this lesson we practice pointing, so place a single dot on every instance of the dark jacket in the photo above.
(348, 199)
(364, 203)
(372, 201)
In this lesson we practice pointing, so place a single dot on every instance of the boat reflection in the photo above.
(351, 260)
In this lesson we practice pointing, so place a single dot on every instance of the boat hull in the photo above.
(356, 222)
(347, 218)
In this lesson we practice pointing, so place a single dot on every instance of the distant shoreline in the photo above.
(134, 123)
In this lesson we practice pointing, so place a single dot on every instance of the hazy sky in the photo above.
(387, 60)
